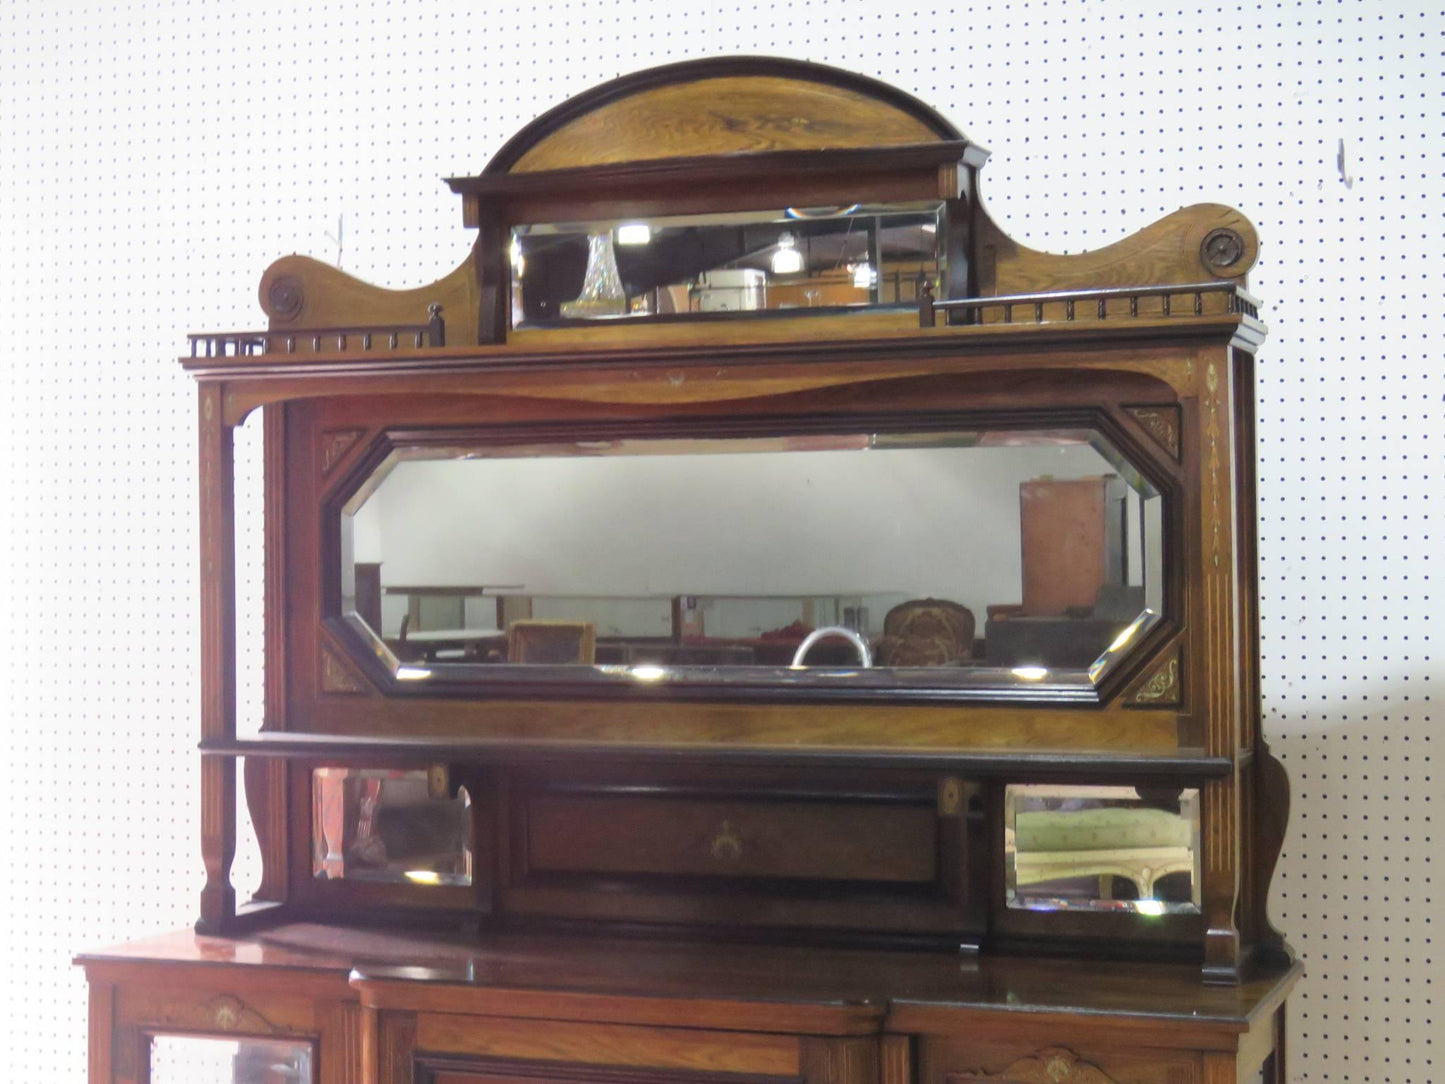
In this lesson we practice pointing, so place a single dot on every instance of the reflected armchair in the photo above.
(926, 632)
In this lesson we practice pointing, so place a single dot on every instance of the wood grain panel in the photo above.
(395, 1048)
(839, 1017)
(299, 292)
(341, 1043)
(726, 115)
(840, 1061)
(1168, 251)
(101, 1033)
(685, 376)
(896, 1060)
(793, 727)
(597, 1044)
(262, 1013)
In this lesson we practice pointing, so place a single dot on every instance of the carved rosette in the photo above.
(1054, 1065)
(284, 298)
(335, 443)
(336, 676)
(1161, 688)
(1160, 422)
(1221, 251)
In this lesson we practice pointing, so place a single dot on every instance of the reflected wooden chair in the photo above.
(926, 632)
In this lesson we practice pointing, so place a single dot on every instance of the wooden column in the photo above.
(218, 659)
(102, 1024)
(1219, 653)
(342, 1042)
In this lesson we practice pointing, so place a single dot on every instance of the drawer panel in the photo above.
(815, 840)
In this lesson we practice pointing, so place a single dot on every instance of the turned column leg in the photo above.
(218, 659)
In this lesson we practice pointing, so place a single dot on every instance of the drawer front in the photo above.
(813, 840)
(1054, 1062)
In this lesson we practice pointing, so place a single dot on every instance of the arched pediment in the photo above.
(731, 105)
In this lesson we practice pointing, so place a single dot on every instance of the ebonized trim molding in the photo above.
(1015, 765)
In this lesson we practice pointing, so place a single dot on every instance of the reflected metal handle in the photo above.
(865, 657)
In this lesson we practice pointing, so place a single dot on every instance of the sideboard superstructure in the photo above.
(751, 621)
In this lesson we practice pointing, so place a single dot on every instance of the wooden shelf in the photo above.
(292, 745)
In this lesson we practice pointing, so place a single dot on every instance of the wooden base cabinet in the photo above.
(375, 1007)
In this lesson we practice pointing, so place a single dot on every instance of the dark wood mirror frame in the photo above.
(916, 407)
(836, 842)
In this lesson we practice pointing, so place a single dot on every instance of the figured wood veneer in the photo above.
(724, 115)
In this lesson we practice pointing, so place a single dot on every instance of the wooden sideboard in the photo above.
(770, 813)
(384, 1005)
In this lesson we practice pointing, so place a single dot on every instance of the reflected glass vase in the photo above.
(602, 292)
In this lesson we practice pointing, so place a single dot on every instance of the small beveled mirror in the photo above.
(966, 560)
(753, 262)
(403, 826)
(200, 1059)
(1102, 848)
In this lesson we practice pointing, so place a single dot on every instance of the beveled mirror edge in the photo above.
(1102, 865)
(1101, 682)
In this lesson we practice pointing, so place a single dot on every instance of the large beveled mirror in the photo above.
(985, 562)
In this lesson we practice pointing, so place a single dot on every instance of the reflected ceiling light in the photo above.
(787, 260)
(863, 275)
(648, 672)
(412, 673)
(519, 262)
(930, 227)
(1030, 673)
(423, 876)
(1152, 908)
(634, 233)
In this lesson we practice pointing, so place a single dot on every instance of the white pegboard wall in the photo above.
(155, 155)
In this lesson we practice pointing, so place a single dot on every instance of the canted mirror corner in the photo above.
(978, 563)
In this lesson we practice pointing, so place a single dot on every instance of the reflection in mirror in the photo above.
(753, 261)
(973, 556)
(1102, 848)
(191, 1059)
(390, 825)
